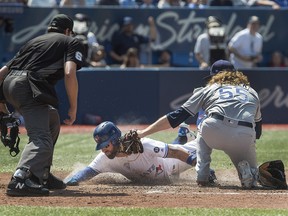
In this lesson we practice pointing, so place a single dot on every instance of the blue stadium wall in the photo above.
(143, 95)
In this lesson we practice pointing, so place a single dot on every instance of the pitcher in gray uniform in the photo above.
(232, 122)
(29, 86)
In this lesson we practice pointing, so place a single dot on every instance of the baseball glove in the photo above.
(130, 143)
(272, 175)
(9, 132)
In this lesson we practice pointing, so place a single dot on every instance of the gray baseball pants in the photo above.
(238, 142)
(42, 123)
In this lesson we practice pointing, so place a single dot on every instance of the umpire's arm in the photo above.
(71, 85)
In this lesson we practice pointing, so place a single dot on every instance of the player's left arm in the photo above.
(179, 152)
(83, 175)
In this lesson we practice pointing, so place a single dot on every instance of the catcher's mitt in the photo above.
(130, 143)
(272, 175)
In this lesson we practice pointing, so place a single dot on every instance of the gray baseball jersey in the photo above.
(235, 104)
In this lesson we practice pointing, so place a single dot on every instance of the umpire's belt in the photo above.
(18, 72)
(221, 117)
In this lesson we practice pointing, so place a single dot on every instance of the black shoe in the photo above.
(25, 187)
(54, 183)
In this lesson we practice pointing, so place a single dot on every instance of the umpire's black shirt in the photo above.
(46, 55)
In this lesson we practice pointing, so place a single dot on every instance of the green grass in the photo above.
(72, 148)
(48, 211)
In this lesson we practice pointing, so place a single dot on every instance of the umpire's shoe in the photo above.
(22, 185)
(54, 183)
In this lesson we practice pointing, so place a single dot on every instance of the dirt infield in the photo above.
(114, 190)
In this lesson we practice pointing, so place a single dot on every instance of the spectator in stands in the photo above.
(131, 59)
(205, 42)
(14, 2)
(245, 47)
(126, 38)
(277, 60)
(165, 59)
(147, 4)
(72, 3)
(221, 3)
(82, 32)
(108, 2)
(265, 3)
(128, 3)
(97, 57)
(169, 3)
(41, 3)
(196, 4)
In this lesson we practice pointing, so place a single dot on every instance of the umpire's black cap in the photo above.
(62, 22)
(220, 65)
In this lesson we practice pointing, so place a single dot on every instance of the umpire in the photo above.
(29, 87)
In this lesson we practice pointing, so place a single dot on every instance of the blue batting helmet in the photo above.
(105, 133)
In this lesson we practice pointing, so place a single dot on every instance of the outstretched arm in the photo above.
(83, 175)
(161, 124)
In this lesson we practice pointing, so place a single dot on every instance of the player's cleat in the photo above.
(211, 180)
(22, 185)
(246, 176)
(54, 183)
(212, 177)
(203, 183)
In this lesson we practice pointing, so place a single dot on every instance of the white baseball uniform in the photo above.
(149, 165)
(237, 108)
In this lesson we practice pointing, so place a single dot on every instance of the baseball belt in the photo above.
(241, 123)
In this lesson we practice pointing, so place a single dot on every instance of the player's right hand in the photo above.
(140, 133)
(72, 182)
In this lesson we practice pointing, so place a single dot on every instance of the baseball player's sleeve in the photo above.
(75, 53)
(155, 147)
(193, 105)
(98, 165)
(83, 175)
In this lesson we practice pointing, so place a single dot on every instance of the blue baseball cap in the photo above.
(220, 65)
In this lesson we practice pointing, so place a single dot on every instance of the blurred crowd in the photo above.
(126, 47)
(275, 4)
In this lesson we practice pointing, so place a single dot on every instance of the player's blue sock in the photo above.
(190, 159)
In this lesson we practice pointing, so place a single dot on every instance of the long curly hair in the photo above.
(229, 77)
